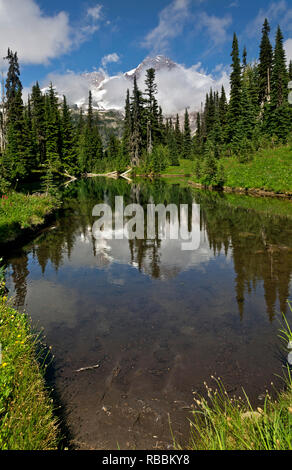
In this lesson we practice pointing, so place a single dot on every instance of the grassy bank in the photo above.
(220, 422)
(26, 412)
(268, 170)
(19, 211)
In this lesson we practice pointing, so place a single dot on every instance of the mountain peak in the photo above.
(157, 63)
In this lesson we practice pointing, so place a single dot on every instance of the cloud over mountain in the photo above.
(179, 87)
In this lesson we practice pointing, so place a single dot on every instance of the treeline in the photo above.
(151, 140)
(258, 114)
(41, 139)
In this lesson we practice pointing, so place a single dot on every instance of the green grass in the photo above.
(220, 422)
(19, 211)
(270, 170)
(27, 420)
(185, 168)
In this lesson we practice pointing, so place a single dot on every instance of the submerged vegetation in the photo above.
(27, 419)
(220, 422)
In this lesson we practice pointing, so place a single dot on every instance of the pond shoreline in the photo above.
(24, 386)
(256, 192)
(171, 354)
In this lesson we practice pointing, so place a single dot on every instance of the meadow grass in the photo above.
(27, 420)
(19, 211)
(220, 422)
(185, 168)
(269, 170)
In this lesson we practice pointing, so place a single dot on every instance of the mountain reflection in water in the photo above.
(157, 320)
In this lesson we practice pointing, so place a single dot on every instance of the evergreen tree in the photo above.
(244, 57)
(187, 139)
(91, 143)
(39, 122)
(30, 144)
(152, 110)
(126, 140)
(279, 78)
(15, 155)
(53, 131)
(13, 88)
(198, 139)
(68, 149)
(234, 132)
(277, 118)
(223, 109)
(290, 70)
(137, 122)
(178, 137)
(265, 64)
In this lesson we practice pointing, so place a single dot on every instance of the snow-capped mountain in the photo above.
(157, 63)
(179, 87)
(104, 88)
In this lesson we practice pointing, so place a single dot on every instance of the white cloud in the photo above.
(216, 28)
(73, 85)
(38, 37)
(178, 88)
(114, 57)
(95, 12)
(90, 25)
(171, 21)
(184, 87)
(288, 49)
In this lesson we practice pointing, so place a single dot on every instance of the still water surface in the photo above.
(157, 320)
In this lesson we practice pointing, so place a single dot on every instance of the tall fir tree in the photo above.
(265, 64)
(290, 70)
(69, 160)
(277, 117)
(15, 154)
(53, 131)
(152, 110)
(234, 132)
(137, 125)
(178, 137)
(91, 143)
(39, 122)
(127, 131)
(187, 139)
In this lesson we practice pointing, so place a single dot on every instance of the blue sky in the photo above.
(60, 35)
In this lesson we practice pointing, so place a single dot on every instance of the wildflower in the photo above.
(4, 364)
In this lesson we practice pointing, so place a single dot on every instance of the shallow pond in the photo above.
(158, 321)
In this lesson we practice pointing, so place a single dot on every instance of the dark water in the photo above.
(157, 320)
